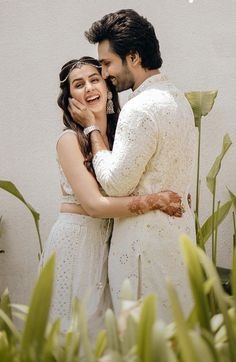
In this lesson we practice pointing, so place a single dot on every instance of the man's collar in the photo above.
(149, 81)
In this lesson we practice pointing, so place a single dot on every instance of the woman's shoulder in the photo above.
(65, 132)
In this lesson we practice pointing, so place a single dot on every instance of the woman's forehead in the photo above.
(84, 71)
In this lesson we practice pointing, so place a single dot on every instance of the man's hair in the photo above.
(128, 33)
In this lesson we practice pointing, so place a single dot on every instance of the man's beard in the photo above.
(124, 84)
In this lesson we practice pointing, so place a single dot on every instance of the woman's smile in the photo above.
(89, 88)
(92, 99)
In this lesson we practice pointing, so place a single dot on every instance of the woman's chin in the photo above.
(96, 110)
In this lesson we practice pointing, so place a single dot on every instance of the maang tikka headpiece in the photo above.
(79, 64)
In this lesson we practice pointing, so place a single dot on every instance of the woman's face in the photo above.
(88, 87)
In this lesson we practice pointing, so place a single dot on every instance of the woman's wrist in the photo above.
(89, 129)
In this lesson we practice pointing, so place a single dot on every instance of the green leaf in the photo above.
(8, 351)
(220, 297)
(233, 277)
(197, 280)
(36, 322)
(126, 291)
(223, 352)
(113, 342)
(52, 348)
(233, 198)
(147, 320)
(208, 285)
(201, 103)
(79, 310)
(20, 307)
(186, 346)
(192, 318)
(199, 235)
(101, 343)
(10, 325)
(217, 164)
(72, 347)
(206, 229)
(112, 356)
(6, 307)
(129, 336)
(5, 303)
(11, 188)
(160, 350)
(201, 347)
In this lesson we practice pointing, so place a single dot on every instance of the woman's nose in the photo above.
(88, 86)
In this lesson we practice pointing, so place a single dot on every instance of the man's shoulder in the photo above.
(149, 99)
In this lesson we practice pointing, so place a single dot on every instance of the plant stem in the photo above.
(198, 173)
(40, 241)
(213, 247)
(216, 234)
(234, 234)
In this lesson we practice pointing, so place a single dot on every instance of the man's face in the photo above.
(113, 67)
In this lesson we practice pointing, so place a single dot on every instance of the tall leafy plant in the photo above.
(202, 103)
(11, 188)
(211, 183)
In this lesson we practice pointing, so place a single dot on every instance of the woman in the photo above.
(81, 233)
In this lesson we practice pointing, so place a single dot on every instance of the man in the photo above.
(153, 151)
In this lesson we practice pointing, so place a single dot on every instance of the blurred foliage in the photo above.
(136, 335)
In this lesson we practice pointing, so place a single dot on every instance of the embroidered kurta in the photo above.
(154, 150)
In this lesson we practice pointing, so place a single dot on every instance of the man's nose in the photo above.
(105, 73)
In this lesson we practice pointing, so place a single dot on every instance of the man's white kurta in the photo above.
(154, 150)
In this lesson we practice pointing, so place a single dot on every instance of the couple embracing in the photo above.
(134, 166)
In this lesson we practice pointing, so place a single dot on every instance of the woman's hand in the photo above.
(166, 201)
(80, 113)
(170, 202)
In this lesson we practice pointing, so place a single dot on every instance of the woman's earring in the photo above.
(110, 106)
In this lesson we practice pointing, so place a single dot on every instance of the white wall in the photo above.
(36, 38)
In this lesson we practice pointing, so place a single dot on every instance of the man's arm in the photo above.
(136, 137)
(120, 171)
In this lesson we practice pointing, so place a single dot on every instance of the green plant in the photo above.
(1, 250)
(135, 335)
(202, 103)
(11, 188)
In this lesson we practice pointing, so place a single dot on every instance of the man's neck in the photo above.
(143, 75)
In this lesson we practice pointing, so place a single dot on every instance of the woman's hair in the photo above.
(128, 33)
(63, 102)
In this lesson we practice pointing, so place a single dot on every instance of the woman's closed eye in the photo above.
(95, 80)
(79, 85)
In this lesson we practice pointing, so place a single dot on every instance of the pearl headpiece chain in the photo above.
(79, 64)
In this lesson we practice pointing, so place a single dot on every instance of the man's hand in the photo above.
(80, 113)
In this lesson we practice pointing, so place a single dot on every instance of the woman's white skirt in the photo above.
(81, 247)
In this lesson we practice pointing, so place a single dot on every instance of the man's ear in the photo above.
(133, 59)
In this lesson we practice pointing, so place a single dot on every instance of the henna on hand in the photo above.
(136, 205)
(171, 203)
(165, 201)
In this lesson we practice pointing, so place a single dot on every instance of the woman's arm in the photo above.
(93, 202)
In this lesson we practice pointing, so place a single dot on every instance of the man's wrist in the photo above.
(89, 129)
